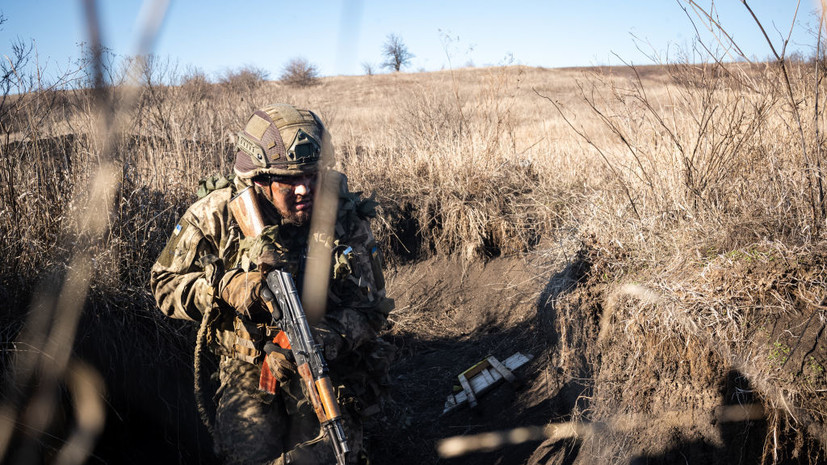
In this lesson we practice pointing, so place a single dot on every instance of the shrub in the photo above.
(368, 68)
(298, 72)
(247, 78)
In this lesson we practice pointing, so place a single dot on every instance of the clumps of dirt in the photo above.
(776, 305)
(713, 361)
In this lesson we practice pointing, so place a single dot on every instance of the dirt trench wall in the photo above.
(653, 371)
(656, 380)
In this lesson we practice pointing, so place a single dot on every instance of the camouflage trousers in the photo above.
(254, 427)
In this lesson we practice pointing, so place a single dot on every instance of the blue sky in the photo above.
(338, 36)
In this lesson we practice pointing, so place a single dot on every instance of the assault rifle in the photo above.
(282, 300)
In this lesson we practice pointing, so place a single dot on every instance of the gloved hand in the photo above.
(243, 293)
(265, 251)
(332, 342)
(280, 362)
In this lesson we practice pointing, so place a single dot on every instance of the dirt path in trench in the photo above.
(451, 314)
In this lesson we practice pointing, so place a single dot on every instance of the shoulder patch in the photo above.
(172, 251)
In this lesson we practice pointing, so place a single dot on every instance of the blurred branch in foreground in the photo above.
(487, 442)
(31, 431)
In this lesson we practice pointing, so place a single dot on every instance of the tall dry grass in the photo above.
(669, 168)
(680, 161)
(465, 159)
(710, 226)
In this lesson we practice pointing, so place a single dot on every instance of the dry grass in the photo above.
(478, 170)
(673, 169)
(672, 164)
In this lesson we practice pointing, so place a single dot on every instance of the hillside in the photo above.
(653, 237)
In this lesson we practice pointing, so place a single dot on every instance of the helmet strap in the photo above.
(265, 190)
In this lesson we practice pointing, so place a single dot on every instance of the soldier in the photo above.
(209, 272)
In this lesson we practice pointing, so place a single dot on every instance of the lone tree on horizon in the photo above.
(396, 53)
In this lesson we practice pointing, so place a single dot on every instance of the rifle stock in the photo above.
(289, 316)
(247, 213)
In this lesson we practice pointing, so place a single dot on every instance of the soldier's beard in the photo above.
(298, 216)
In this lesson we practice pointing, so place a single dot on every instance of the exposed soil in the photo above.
(452, 314)
(449, 316)
(639, 392)
(642, 393)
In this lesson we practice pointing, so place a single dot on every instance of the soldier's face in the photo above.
(293, 196)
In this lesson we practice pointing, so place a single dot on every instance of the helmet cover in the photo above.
(282, 140)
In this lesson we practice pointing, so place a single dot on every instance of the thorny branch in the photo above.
(588, 140)
(812, 169)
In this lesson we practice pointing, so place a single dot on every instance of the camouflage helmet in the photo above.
(284, 140)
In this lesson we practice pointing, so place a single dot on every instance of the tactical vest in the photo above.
(244, 340)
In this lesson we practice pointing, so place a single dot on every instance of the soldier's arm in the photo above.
(359, 307)
(177, 279)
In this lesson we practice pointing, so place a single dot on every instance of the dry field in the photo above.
(654, 236)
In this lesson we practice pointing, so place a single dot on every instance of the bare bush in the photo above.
(244, 79)
(13, 80)
(155, 105)
(368, 68)
(298, 72)
(195, 84)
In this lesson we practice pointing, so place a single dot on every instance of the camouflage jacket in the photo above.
(207, 241)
